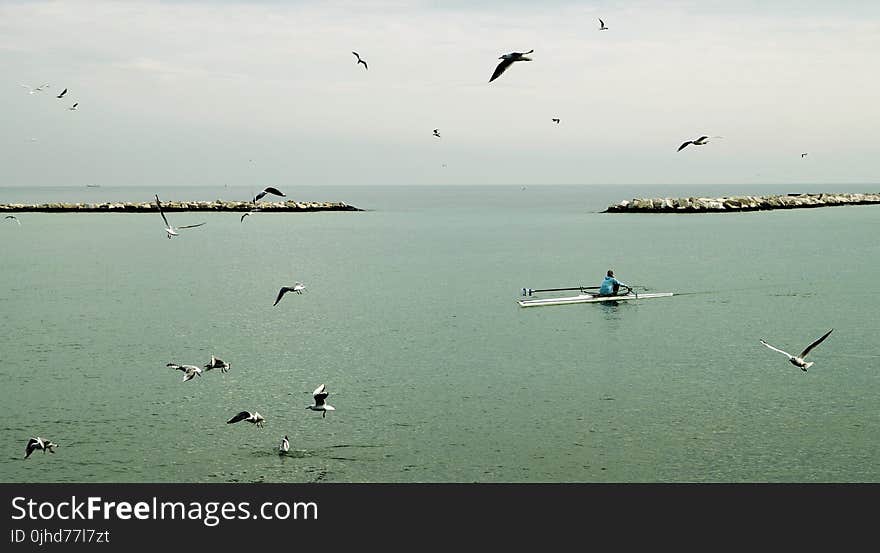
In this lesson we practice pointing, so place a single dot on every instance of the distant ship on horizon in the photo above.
(93, 186)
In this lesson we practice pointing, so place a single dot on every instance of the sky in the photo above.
(268, 93)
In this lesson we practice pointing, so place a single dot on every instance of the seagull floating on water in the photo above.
(189, 371)
(320, 394)
(804, 155)
(285, 445)
(253, 418)
(297, 287)
(507, 60)
(602, 26)
(218, 364)
(171, 231)
(38, 443)
(555, 120)
(360, 60)
(437, 133)
(798, 361)
(14, 218)
(268, 190)
(63, 92)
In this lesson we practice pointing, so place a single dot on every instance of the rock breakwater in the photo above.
(728, 204)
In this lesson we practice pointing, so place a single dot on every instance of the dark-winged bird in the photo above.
(507, 60)
(360, 60)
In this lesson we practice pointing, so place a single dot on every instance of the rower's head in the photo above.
(610, 273)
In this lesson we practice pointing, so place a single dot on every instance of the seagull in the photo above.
(320, 394)
(285, 445)
(268, 190)
(14, 218)
(602, 26)
(73, 107)
(799, 360)
(698, 142)
(63, 92)
(171, 231)
(555, 120)
(437, 133)
(38, 443)
(218, 364)
(507, 60)
(297, 287)
(35, 90)
(360, 60)
(189, 371)
(253, 418)
(804, 155)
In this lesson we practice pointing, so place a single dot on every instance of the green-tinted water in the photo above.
(436, 373)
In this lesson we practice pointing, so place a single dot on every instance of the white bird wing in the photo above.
(319, 390)
(777, 349)
(814, 344)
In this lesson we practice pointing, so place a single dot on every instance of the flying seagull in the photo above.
(799, 360)
(14, 218)
(320, 394)
(171, 231)
(38, 443)
(360, 60)
(297, 287)
(285, 445)
(218, 364)
(437, 133)
(74, 107)
(555, 120)
(602, 26)
(35, 90)
(189, 371)
(253, 418)
(507, 60)
(698, 142)
(268, 190)
(63, 92)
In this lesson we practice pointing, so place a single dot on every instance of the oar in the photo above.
(530, 291)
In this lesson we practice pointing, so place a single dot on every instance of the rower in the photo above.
(610, 285)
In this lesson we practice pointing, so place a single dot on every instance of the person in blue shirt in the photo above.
(610, 285)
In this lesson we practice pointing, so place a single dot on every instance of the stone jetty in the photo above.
(167, 206)
(730, 204)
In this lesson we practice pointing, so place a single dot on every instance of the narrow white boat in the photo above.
(584, 297)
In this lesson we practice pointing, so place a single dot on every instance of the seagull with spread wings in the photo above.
(38, 443)
(189, 371)
(320, 394)
(507, 60)
(360, 60)
(698, 142)
(297, 287)
(253, 418)
(798, 361)
(171, 231)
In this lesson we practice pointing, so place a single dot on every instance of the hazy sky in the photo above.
(259, 93)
